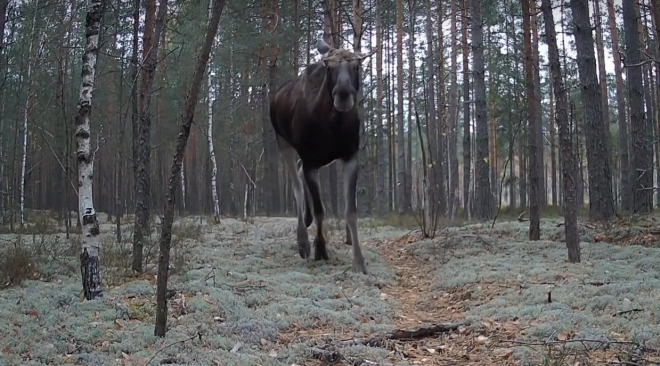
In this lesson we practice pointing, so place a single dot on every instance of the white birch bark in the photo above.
(183, 188)
(26, 111)
(245, 201)
(209, 134)
(89, 258)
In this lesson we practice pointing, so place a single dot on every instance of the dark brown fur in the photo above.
(306, 115)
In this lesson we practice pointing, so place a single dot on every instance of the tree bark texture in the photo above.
(209, 133)
(626, 192)
(187, 117)
(151, 44)
(89, 258)
(467, 159)
(484, 197)
(601, 200)
(453, 114)
(400, 137)
(534, 126)
(642, 150)
(568, 162)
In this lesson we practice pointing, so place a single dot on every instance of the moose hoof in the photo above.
(304, 249)
(320, 250)
(359, 266)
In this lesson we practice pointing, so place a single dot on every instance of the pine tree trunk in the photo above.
(543, 193)
(484, 196)
(187, 117)
(89, 258)
(467, 160)
(452, 147)
(152, 36)
(642, 158)
(601, 201)
(381, 168)
(626, 192)
(400, 138)
(534, 126)
(569, 165)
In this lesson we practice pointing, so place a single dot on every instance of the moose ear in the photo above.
(323, 47)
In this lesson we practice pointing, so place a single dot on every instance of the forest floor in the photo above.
(240, 295)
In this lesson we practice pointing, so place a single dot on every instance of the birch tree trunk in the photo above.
(181, 141)
(26, 113)
(214, 165)
(89, 258)
(182, 180)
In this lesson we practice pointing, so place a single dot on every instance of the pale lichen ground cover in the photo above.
(243, 284)
(586, 298)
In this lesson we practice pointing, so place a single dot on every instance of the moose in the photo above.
(315, 117)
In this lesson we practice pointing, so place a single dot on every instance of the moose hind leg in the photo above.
(350, 214)
(289, 156)
(312, 180)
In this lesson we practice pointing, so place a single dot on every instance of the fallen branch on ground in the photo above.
(635, 310)
(330, 354)
(520, 217)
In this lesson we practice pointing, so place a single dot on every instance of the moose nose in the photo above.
(343, 94)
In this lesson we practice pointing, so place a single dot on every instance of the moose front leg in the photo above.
(312, 181)
(350, 214)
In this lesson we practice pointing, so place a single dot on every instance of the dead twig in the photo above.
(173, 343)
(634, 310)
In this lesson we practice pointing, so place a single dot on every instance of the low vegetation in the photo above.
(240, 295)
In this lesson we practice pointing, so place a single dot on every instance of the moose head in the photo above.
(343, 76)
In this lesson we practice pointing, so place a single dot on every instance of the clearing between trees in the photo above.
(240, 295)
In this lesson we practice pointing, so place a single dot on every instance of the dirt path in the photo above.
(422, 304)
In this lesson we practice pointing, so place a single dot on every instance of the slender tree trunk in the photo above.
(601, 202)
(642, 161)
(89, 258)
(26, 114)
(452, 147)
(553, 147)
(400, 138)
(467, 160)
(135, 112)
(534, 126)
(442, 115)
(411, 91)
(151, 44)
(543, 193)
(569, 164)
(381, 197)
(626, 191)
(3, 72)
(209, 133)
(181, 141)
(436, 193)
(484, 196)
